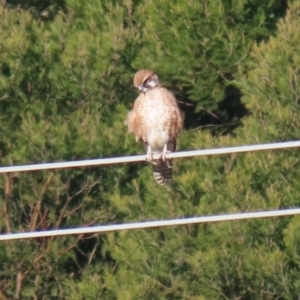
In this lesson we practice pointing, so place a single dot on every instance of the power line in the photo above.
(129, 159)
(142, 225)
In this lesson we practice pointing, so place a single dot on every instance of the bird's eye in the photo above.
(147, 82)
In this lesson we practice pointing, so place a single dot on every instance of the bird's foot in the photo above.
(164, 153)
(149, 156)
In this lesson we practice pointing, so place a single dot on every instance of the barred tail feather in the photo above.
(162, 172)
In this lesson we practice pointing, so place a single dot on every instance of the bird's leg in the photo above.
(163, 154)
(149, 156)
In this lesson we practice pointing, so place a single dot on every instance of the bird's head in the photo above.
(145, 80)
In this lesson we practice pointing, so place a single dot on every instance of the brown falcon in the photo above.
(156, 121)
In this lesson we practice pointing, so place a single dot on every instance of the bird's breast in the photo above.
(155, 119)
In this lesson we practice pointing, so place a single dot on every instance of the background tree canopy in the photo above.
(66, 70)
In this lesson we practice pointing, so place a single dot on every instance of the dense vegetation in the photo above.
(66, 70)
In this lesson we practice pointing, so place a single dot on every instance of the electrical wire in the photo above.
(151, 224)
(131, 159)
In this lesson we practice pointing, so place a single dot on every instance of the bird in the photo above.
(155, 120)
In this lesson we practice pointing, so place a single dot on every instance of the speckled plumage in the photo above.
(156, 121)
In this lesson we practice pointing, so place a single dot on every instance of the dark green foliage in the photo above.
(66, 72)
(41, 9)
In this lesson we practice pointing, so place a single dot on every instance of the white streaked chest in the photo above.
(155, 115)
(154, 109)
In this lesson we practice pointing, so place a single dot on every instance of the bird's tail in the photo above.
(162, 171)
